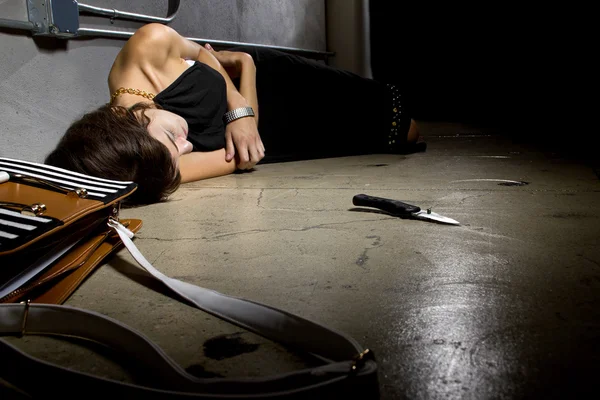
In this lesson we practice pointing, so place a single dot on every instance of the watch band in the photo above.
(237, 114)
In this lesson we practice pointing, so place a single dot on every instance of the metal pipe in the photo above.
(112, 13)
(214, 43)
(9, 23)
(296, 50)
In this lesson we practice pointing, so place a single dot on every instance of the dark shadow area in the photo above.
(13, 31)
(498, 67)
(456, 65)
(127, 367)
(44, 43)
(50, 44)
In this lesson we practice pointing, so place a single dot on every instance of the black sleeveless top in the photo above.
(199, 96)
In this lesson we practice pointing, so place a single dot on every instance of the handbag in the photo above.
(87, 235)
(53, 231)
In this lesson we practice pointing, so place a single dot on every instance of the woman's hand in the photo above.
(243, 142)
(232, 61)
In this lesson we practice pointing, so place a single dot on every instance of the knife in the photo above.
(400, 209)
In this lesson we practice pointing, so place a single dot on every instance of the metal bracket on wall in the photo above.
(60, 18)
(54, 17)
(38, 15)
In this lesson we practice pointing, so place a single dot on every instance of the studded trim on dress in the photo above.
(394, 140)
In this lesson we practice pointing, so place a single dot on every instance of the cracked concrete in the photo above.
(503, 306)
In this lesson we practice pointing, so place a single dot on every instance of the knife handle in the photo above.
(392, 206)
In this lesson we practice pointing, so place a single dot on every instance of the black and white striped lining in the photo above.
(17, 229)
(101, 189)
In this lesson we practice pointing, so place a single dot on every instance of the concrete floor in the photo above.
(503, 306)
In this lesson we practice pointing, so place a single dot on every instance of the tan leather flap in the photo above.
(59, 282)
(58, 205)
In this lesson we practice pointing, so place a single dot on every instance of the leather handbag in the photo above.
(53, 230)
(346, 370)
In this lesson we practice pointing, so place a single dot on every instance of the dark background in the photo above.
(506, 67)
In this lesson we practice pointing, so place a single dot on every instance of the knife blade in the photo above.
(400, 208)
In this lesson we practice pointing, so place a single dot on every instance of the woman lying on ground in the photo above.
(181, 112)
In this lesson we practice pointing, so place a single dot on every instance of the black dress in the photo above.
(199, 96)
(307, 109)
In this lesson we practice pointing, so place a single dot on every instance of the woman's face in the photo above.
(171, 130)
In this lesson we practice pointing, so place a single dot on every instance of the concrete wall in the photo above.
(46, 83)
(348, 35)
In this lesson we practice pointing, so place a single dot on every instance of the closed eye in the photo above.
(171, 138)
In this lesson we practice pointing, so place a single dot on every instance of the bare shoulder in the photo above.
(151, 41)
(153, 33)
(148, 49)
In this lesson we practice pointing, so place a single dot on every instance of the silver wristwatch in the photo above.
(237, 114)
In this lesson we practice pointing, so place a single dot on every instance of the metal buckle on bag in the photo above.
(25, 315)
(82, 193)
(116, 211)
(79, 192)
(113, 218)
(36, 209)
(360, 359)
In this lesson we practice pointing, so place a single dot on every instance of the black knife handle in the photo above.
(395, 207)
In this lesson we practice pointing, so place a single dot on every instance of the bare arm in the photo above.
(250, 148)
(203, 165)
(248, 83)
(240, 65)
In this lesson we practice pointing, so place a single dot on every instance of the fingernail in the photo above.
(208, 46)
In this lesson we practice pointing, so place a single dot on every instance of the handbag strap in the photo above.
(345, 360)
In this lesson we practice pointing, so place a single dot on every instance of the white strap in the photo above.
(165, 375)
(168, 377)
(266, 321)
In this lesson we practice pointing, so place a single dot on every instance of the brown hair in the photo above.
(112, 143)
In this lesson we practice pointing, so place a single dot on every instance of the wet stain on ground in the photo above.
(227, 346)
(520, 183)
